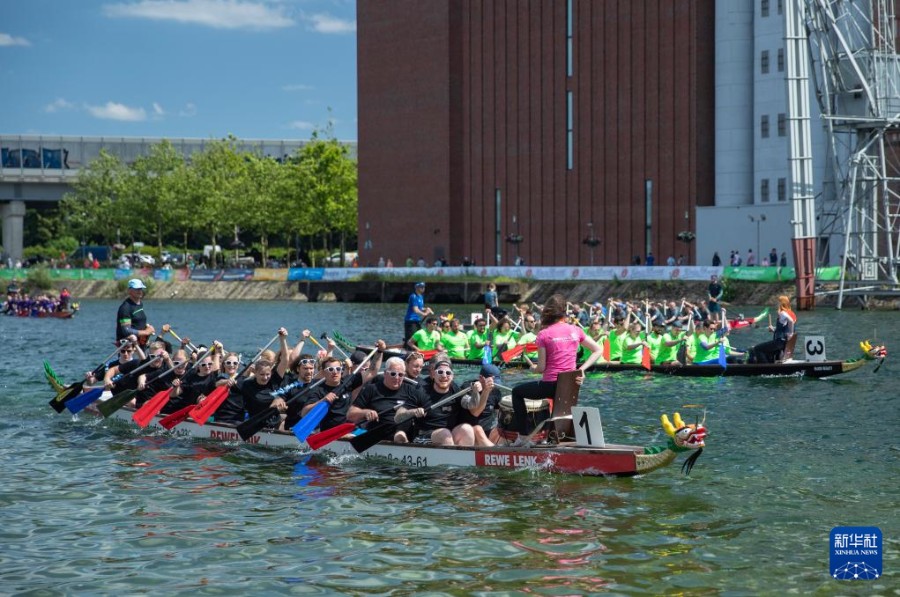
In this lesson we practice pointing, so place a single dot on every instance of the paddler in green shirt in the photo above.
(655, 341)
(633, 345)
(668, 348)
(528, 336)
(455, 341)
(428, 338)
(616, 335)
(707, 343)
(478, 339)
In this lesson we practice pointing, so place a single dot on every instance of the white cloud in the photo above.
(8, 40)
(301, 125)
(297, 87)
(325, 23)
(58, 105)
(189, 110)
(218, 14)
(116, 111)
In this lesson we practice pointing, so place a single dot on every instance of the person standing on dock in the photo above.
(415, 311)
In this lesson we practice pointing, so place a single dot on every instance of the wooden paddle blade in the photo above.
(606, 349)
(80, 402)
(312, 419)
(515, 351)
(203, 411)
(645, 359)
(380, 431)
(151, 408)
(179, 416)
(248, 428)
(110, 406)
(323, 438)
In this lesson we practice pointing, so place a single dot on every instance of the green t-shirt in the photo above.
(456, 344)
(426, 340)
(631, 356)
(706, 354)
(667, 354)
(477, 342)
(656, 345)
(615, 344)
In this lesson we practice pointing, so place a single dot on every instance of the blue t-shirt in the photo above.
(415, 300)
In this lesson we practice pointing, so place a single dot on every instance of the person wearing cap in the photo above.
(131, 319)
(415, 311)
(479, 409)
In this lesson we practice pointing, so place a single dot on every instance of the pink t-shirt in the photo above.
(560, 341)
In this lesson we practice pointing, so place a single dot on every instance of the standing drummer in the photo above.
(131, 318)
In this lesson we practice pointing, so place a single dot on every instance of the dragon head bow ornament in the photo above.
(682, 438)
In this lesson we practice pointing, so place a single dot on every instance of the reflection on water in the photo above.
(95, 507)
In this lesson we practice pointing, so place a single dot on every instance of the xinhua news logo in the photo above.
(856, 553)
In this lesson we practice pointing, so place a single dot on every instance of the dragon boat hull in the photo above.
(611, 460)
(815, 369)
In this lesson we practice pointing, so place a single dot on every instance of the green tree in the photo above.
(215, 189)
(327, 182)
(157, 185)
(92, 212)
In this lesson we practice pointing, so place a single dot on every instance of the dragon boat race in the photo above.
(97, 504)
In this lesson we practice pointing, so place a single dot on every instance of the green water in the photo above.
(93, 509)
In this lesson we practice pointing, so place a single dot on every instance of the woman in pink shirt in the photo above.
(557, 344)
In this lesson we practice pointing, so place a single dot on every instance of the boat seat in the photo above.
(788, 353)
(531, 406)
(566, 397)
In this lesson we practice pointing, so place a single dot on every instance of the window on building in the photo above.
(764, 126)
(782, 125)
(764, 62)
(782, 189)
(781, 60)
(764, 190)
(570, 130)
(764, 8)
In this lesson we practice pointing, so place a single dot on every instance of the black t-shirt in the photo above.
(337, 411)
(488, 417)
(130, 318)
(376, 396)
(442, 416)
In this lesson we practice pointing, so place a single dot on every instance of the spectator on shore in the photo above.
(716, 260)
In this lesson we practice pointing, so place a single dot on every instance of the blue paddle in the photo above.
(311, 420)
(80, 402)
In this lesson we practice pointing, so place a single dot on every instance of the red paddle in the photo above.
(176, 417)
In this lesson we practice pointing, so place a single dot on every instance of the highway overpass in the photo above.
(38, 169)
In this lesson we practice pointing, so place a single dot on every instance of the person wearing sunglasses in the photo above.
(171, 372)
(131, 319)
(338, 405)
(200, 380)
(232, 408)
(379, 400)
(154, 378)
(128, 361)
(440, 426)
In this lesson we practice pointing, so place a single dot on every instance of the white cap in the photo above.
(136, 284)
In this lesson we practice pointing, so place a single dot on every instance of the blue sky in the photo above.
(262, 69)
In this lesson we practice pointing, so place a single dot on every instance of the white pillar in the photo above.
(13, 214)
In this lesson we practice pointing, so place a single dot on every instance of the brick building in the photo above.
(558, 111)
